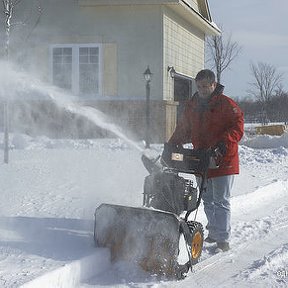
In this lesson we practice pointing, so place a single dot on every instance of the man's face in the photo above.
(205, 88)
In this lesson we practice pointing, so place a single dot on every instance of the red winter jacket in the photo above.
(206, 123)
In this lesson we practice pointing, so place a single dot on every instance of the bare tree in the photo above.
(9, 10)
(8, 6)
(222, 52)
(279, 90)
(266, 82)
(278, 105)
(26, 15)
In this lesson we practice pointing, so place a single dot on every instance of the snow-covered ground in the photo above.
(50, 189)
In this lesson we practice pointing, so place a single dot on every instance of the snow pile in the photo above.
(269, 267)
(266, 141)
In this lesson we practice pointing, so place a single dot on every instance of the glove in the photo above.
(220, 150)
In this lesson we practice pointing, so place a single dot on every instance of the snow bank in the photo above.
(71, 275)
(245, 204)
(266, 141)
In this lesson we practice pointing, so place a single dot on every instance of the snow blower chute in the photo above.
(149, 236)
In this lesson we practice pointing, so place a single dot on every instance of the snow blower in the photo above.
(149, 236)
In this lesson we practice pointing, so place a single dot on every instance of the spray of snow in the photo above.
(16, 84)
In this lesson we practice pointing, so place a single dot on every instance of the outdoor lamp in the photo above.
(172, 71)
(147, 74)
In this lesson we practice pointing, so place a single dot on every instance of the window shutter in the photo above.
(110, 70)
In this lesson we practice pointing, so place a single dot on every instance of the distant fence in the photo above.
(273, 130)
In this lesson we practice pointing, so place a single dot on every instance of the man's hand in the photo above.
(220, 150)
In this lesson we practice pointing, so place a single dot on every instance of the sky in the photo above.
(258, 26)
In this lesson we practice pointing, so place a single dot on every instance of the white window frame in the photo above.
(75, 66)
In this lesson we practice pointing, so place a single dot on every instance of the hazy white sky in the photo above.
(260, 28)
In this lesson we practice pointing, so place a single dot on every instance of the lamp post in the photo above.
(147, 76)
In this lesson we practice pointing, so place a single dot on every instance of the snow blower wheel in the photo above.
(197, 238)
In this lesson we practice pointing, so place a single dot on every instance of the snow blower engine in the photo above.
(150, 235)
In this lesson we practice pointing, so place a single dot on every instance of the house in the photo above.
(99, 49)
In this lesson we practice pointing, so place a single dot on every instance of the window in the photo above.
(89, 70)
(77, 68)
(62, 67)
(184, 88)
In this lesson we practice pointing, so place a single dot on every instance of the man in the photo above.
(213, 120)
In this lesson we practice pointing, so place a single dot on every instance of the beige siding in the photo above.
(183, 49)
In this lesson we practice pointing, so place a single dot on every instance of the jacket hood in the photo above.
(218, 90)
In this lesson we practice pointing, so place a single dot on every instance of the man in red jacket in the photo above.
(213, 120)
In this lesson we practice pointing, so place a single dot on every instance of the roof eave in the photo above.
(195, 18)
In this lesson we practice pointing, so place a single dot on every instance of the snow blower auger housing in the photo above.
(149, 236)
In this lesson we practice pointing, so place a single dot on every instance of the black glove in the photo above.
(218, 152)
(220, 149)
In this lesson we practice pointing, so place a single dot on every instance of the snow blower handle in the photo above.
(192, 161)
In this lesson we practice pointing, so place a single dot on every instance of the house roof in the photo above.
(196, 12)
(202, 17)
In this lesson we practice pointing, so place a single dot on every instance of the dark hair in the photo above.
(205, 74)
